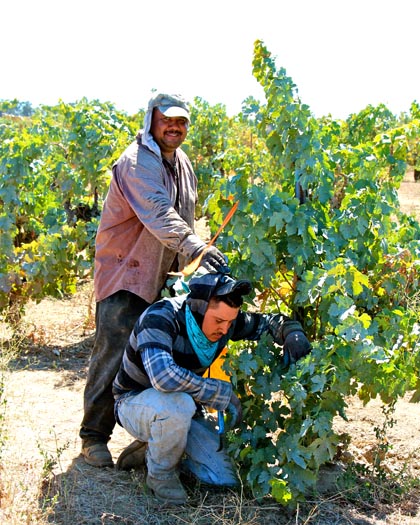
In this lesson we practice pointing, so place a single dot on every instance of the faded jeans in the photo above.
(115, 318)
(165, 421)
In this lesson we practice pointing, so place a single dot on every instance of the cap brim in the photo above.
(242, 287)
(174, 111)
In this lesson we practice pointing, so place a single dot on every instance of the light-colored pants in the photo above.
(164, 421)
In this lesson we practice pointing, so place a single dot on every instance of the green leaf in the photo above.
(318, 383)
(323, 450)
(280, 491)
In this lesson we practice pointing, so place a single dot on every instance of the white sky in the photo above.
(341, 54)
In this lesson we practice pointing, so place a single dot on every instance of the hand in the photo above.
(234, 412)
(214, 261)
(280, 326)
(296, 345)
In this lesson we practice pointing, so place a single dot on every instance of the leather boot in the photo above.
(133, 456)
(167, 490)
(96, 454)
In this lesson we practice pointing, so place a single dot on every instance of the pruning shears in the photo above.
(221, 431)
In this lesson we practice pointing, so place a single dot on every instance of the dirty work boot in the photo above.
(96, 454)
(167, 490)
(132, 457)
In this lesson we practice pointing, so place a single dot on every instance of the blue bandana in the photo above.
(205, 349)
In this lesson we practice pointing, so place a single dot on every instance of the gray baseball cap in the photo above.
(171, 105)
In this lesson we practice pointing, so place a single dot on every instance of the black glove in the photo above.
(290, 335)
(279, 326)
(296, 345)
(214, 261)
(234, 412)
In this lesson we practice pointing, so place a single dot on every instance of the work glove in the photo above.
(296, 345)
(214, 261)
(290, 335)
(234, 413)
(279, 326)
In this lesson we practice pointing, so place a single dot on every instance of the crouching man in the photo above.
(160, 384)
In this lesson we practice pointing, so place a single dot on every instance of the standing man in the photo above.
(163, 377)
(146, 230)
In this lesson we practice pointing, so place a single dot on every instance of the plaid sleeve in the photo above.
(166, 376)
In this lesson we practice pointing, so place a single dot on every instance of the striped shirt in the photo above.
(159, 354)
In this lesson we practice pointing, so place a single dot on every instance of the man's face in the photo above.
(168, 132)
(217, 320)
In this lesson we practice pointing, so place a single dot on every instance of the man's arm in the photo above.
(166, 376)
(285, 332)
(150, 200)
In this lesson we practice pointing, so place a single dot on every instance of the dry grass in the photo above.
(124, 498)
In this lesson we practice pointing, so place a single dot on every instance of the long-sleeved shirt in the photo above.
(147, 222)
(159, 354)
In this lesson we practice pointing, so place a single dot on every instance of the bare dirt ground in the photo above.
(44, 480)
